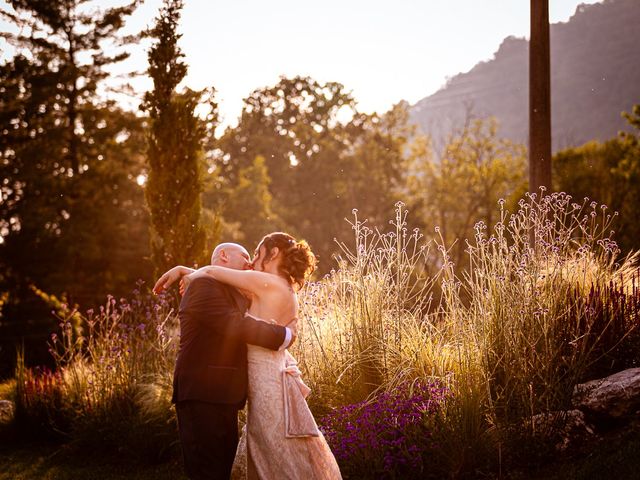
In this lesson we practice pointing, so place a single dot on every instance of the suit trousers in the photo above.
(209, 438)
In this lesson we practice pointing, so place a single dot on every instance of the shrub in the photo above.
(532, 288)
(436, 366)
(112, 383)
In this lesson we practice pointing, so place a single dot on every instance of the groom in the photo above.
(210, 379)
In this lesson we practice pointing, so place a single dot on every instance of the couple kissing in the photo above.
(237, 319)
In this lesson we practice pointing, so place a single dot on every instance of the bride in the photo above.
(282, 438)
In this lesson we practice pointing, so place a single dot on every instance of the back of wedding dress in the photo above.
(281, 439)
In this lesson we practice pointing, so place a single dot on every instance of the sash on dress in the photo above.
(298, 419)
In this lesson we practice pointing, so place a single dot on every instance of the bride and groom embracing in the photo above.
(237, 318)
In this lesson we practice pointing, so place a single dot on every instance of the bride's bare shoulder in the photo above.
(279, 283)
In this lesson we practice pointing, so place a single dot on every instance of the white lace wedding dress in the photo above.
(281, 439)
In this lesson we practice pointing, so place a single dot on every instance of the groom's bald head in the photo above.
(231, 255)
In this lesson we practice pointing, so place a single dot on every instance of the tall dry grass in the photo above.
(539, 306)
(545, 303)
(356, 316)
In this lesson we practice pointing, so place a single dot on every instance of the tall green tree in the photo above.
(249, 207)
(58, 134)
(360, 165)
(70, 206)
(291, 125)
(284, 124)
(322, 156)
(378, 160)
(69, 41)
(175, 155)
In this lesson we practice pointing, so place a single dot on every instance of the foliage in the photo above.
(176, 136)
(354, 316)
(289, 125)
(40, 406)
(610, 173)
(442, 382)
(536, 336)
(283, 123)
(113, 376)
(249, 206)
(608, 317)
(72, 218)
(509, 339)
(322, 158)
(462, 186)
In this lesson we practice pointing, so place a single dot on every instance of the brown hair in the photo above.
(298, 261)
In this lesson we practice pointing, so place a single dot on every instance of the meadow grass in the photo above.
(544, 303)
(8, 390)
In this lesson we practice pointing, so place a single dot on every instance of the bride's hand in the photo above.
(293, 326)
(169, 277)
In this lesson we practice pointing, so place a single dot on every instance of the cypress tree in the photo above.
(174, 156)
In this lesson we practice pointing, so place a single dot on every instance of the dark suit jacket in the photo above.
(212, 359)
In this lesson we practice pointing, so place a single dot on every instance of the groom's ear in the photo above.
(274, 253)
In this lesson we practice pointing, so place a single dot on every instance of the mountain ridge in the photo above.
(595, 75)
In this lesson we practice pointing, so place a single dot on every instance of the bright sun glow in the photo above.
(141, 179)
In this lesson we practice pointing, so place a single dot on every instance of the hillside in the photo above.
(595, 75)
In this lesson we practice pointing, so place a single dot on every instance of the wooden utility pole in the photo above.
(539, 98)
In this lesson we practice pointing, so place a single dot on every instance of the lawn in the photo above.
(616, 456)
(46, 462)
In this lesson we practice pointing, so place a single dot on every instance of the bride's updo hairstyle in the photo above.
(298, 261)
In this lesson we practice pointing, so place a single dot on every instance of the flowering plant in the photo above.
(389, 436)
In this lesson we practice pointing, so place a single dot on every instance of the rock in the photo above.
(6, 411)
(615, 396)
(570, 425)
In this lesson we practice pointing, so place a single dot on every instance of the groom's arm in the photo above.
(207, 299)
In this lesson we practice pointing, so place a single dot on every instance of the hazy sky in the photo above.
(383, 50)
